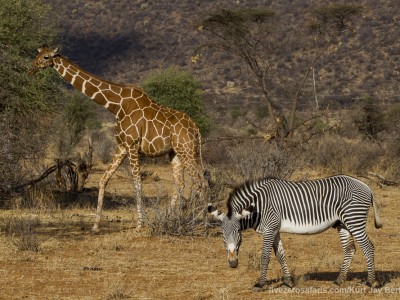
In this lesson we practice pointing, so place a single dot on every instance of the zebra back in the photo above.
(304, 202)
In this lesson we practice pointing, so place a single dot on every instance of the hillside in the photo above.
(125, 40)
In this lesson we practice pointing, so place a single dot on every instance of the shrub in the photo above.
(255, 158)
(179, 221)
(179, 90)
(338, 155)
(21, 232)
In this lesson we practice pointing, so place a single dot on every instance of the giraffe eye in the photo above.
(46, 57)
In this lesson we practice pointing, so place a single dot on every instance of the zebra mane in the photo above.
(233, 204)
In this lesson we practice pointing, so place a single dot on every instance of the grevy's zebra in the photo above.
(272, 205)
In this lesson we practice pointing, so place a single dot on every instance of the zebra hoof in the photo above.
(338, 282)
(375, 284)
(288, 282)
(257, 288)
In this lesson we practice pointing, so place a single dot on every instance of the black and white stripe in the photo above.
(271, 206)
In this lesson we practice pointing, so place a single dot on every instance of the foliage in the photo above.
(24, 101)
(234, 27)
(375, 119)
(25, 24)
(333, 19)
(77, 117)
(179, 90)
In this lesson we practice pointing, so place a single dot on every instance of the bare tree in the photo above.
(252, 35)
(247, 34)
(327, 24)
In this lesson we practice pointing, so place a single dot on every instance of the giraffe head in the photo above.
(44, 59)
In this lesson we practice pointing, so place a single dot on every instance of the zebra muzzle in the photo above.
(233, 259)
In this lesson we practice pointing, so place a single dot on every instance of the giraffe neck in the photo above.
(103, 92)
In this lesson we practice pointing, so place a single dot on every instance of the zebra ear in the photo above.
(212, 210)
(247, 211)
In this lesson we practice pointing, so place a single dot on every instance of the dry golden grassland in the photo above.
(52, 255)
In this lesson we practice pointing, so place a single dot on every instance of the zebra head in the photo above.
(231, 230)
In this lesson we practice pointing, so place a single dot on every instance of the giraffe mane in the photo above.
(122, 85)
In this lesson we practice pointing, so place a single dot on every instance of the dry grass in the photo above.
(123, 263)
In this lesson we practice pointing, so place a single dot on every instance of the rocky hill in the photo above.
(125, 40)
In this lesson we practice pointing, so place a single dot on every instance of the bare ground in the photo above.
(123, 263)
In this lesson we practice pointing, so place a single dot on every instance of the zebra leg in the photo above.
(280, 255)
(348, 251)
(268, 241)
(368, 249)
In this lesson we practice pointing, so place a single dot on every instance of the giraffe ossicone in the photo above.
(143, 128)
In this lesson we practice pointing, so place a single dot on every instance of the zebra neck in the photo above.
(248, 222)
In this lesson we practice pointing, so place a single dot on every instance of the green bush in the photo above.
(179, 90)
(26, 102)
(80, 114)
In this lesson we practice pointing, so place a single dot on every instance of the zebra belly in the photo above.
(293, 227)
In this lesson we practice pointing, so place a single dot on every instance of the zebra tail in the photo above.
(378, 222)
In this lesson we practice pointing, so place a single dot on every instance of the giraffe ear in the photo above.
(56, 51)
(39, 49)
(213, 211)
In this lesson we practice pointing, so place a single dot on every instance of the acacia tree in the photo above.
(252, 35)
(327, 24)
(246, 33)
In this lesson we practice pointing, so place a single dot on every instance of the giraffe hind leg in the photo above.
(135, 173)
(177, 171)
(117, 159)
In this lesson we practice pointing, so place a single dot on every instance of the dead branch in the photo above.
(71, 173)
(383, 180)
(44, 175)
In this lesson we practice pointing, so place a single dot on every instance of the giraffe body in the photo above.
(143, 128)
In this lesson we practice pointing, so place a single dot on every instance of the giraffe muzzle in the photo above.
(33, 70)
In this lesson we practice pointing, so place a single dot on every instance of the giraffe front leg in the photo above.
(118, 158)
(268, 241)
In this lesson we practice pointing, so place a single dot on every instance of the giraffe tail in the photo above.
(204, 173)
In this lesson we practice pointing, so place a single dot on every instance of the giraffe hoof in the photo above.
(94, 230)
(140, 225)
